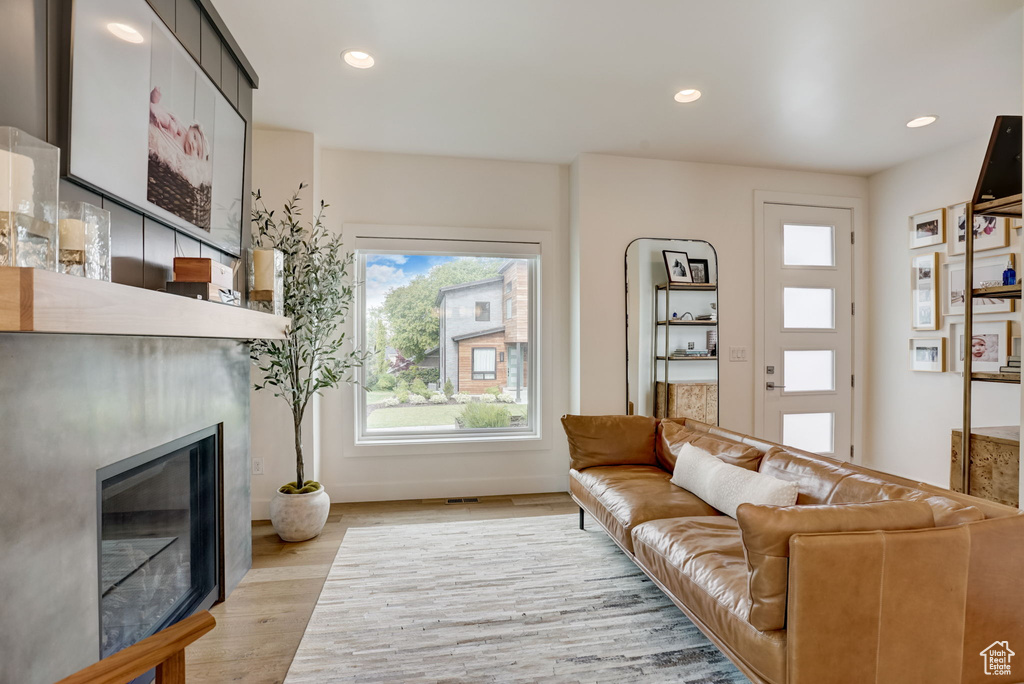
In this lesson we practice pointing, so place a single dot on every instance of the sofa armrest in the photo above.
(907, 606)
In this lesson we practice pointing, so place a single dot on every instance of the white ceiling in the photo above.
(807, 84)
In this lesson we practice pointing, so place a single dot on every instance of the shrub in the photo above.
(478, 415)
(416, 399)
(390, 401)
(463, 398)
(449, 388)
(438, 399)
(386, 382)
(402, 391)
(493, 390)
(488, 398)
(411, 375)
(419, 387)
(506, 398)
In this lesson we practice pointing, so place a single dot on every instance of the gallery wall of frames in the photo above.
(937, 254)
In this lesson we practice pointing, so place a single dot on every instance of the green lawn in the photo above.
(420, 416)
(374, 397)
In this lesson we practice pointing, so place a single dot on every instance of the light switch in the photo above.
(737, 353)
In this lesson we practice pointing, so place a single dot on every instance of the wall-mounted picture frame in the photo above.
(699, 271)
(928, 228)
(924, 285)
(987, 272)
(990, 232)
(990, 343)
(928, 354)
(677, 265)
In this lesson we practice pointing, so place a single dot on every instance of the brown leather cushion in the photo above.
(816, 475)
(859, 488)
(610, 440)
(766, 531)
(623, 497)
(728, 450)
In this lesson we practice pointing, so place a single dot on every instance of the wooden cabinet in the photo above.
(995, 464)
(697, 400)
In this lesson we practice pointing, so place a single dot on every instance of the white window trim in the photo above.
(473, 371)
(478, 241)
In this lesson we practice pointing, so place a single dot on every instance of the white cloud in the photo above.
(380, 279)
(397, 259)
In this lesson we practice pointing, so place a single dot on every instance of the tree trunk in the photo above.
(299, 470)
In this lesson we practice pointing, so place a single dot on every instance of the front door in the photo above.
(808, 328)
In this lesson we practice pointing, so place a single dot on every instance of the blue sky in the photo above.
(387, 271)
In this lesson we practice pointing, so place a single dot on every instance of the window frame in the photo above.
(377, 241)
(484, 307)
(473, 372)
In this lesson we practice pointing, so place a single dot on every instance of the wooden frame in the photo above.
(924, 287)
(990, 232)
(928, 354)
(980, 329)
(983, 274)
(928, 228)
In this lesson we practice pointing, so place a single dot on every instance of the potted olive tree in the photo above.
(314, 355)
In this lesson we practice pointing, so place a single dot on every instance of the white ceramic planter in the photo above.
(298, 517)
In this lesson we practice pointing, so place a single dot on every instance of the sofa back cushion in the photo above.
(816, 475)
(725, 486)
(610, 440)
(729, 450)
(766, 531)
(859, 488)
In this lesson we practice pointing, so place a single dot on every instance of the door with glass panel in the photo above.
(808, 328)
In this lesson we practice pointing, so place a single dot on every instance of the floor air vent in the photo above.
(471, 499)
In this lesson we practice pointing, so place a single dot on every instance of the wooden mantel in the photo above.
(33, 300)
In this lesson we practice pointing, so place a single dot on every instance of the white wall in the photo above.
(620, 199)
(910, 414)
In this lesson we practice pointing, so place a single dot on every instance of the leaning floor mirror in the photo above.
(672, 329)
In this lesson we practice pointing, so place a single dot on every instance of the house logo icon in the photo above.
(997, 658)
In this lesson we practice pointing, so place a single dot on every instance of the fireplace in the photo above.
(159, 540)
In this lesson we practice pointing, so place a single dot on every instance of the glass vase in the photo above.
(29, 171)
(266, 280)
(83, 241)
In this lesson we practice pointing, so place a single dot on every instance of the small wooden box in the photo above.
(196, 270)
(206, 291)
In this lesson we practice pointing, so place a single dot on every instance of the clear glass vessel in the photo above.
(29, 170)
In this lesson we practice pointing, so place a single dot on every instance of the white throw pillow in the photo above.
(725, 486)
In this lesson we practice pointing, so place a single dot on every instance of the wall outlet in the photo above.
(257, 466)
(737, 353)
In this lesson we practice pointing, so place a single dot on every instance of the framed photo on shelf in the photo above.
(988, 272)
(928, 354)
(699, 270)
(925, 288)
(677, 265)
(990, 232)
(928, 229)
(990, 343)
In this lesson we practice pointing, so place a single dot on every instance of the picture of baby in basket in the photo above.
(180, 139)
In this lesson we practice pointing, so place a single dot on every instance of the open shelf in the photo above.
(1007, 378)
(704, 287)
(688, 322)
(997, 292)
(33, 300)
(1009, 207)
(687, 358)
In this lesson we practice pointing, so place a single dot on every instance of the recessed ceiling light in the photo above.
(125, 32)
(357, 59)
(688, 95)
(922, 121)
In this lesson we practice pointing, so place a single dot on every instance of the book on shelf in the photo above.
(1014, 370)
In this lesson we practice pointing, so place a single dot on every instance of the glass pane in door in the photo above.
(808, 245)
(809, 370)
(808, 308)
(809, 431)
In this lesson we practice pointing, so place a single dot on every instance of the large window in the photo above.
(441, 367)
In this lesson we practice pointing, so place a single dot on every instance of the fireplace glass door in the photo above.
(158, 545)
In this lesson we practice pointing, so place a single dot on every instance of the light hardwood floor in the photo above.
(260, 625)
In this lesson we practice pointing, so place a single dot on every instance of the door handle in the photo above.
(773, 386)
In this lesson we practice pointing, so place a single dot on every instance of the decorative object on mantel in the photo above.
(318, 296)
(196, 270)
(206, 292)
(83, 241)
(29, 171)
(266, 280)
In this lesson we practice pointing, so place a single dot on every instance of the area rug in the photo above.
(511, 600)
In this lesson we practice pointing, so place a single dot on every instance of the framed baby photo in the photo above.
(925, 287)
(677, 264)
(990, 344)
(928, 229)
(988, 272)
(990, 232)
(928, 354)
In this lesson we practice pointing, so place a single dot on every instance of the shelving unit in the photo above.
(664, 359)
(998, 193)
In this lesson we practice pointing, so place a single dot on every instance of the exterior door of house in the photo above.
(808, 328)
(513, 366)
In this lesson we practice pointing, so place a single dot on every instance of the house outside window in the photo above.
(441, 368)
(509, 309)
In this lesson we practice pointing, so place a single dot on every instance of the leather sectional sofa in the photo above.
(899, 606)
